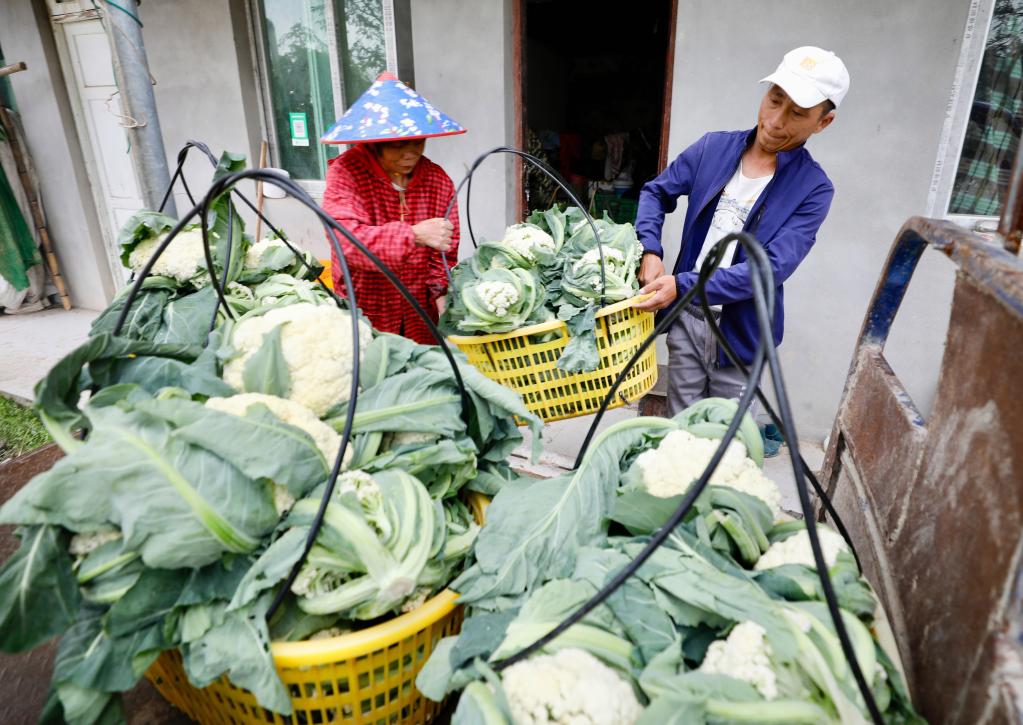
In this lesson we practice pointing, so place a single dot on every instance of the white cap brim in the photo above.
(802, 92)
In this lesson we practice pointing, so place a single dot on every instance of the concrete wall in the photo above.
(880, 154)
(464, 66)
(52, 142)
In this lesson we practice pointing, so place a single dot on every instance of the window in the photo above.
(318, 56)
(977, 169)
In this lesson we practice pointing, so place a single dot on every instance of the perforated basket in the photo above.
(363, 678)
(527, 364)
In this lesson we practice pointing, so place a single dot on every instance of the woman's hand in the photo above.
(434, 233)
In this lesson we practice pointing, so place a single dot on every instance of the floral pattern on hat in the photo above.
(389, 110)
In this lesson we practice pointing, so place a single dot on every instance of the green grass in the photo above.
(20, 430)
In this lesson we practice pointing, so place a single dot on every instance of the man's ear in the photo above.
(825, 121)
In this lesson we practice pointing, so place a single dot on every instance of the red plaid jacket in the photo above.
(360, 196)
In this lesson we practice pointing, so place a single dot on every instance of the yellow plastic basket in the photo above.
(363, 678)
(520, 361)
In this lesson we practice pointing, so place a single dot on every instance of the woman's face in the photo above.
(399, 158)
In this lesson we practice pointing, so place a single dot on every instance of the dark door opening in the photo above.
(594, 99)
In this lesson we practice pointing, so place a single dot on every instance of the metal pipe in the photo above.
(1010, 226)
(138, 103)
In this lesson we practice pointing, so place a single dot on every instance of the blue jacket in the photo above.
(785, 220)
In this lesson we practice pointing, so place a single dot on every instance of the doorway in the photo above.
(596, 88)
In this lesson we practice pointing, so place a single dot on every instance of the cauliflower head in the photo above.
(254, 253)
(316, 342)
(744, 655)
(182, 260)
(85, 544)
(290, 412)
(569, 687)
(796, 549)
(680, 458)
(497, 296)
(524, 238)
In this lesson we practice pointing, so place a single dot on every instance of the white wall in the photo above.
(879, 153)
(52, 142)
(463, 66)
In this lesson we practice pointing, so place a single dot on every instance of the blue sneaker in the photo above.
(773, 440)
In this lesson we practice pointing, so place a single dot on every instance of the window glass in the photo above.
(362, 47)
(319, 58)
(993, 130)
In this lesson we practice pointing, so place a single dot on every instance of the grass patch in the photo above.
(20, 430)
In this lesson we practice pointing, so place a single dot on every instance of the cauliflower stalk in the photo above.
(316, 345)
(570, 686)
(182, 260)
(681, 457)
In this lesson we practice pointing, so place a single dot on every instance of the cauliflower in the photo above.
(283, 500)
(680, 458)
(524, 238)
(498, 296)
(317, 345)
(255, 252)
(744, 655)
(403, 438)
(182, 260)
(85, 544)
(371, 500)
(418, 599)
(796, 549)
(570, 686)
(290, 412)
(330, 633)
(611, 257)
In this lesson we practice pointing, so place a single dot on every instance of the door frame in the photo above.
(519, 60)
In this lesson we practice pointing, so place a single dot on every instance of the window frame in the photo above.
(398, 53)
(957, 115)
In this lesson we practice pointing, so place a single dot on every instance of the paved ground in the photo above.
(33, 342)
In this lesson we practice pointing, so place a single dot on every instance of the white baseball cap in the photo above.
(811, 75)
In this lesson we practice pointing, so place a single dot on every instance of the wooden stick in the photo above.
(259, 191)
(13, 68)
(20, 160)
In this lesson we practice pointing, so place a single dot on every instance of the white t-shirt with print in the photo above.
(738, 197)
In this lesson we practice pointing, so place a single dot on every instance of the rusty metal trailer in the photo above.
(935, 503)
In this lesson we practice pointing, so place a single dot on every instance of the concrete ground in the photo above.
(32, 343)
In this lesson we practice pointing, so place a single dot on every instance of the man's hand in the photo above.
(442, 303)
(664, 291)
(434, 233)
(650, 268)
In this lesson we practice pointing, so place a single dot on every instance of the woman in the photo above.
(394, 200)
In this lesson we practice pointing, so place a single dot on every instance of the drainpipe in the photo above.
(138, 103)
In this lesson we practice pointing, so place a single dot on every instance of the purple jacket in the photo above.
(785, 220)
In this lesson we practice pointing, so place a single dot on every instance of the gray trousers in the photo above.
(693, 371)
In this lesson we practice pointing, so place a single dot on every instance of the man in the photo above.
(763, 181)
